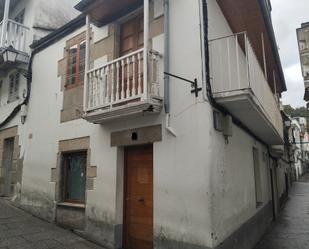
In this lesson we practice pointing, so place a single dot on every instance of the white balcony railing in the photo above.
(120, 81)
(15, 35)
(235, 67)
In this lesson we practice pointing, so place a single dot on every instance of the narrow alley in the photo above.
(19, 230)
(291, 230)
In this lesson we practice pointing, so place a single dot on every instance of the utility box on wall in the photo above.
(223, 123)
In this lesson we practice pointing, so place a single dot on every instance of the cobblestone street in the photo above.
(291, 231)
(19, 230)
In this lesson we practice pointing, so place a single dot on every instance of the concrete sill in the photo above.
(71, 205)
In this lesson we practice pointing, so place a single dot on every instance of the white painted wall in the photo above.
(203, 186)
(233, 183)
(38, 14)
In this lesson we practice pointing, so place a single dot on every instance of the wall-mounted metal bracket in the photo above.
(194, 83)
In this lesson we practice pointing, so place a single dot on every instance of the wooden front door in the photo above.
(138, 204)
(8, 150)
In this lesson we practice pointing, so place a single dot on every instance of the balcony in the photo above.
(304, 47)
(13, 35)
(239, 85)
(117, 89)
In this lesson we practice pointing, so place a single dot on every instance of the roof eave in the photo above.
(83, 4)
(68, 28)
(269, 26)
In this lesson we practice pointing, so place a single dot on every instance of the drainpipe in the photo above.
(167, 68)
(207, 56)
(5, 21)
(146, 47)
(166, 58)
(87, 62)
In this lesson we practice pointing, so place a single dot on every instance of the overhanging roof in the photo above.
(103, 10)
(58, 34)
(305, 25)
(254, 17)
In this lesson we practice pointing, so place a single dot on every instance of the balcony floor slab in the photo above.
(243, 105)
(102, 116)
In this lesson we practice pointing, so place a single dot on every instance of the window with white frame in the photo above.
(14, 80)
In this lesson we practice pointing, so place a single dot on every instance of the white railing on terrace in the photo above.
(121, 81)
(15, 35)
(304, 47)
(235, 67)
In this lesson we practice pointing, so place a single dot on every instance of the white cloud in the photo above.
(287, 17)
(295, 84)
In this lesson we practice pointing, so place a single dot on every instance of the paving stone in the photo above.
(12, 241)
(43, 244)
(39, 236)
(3, 228)
(20, 230)
(291, 230)
(80, 245)
(69, 240)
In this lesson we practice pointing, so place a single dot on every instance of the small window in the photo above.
(257, 177)
(14, 87)
(76, 64)
(74, 177)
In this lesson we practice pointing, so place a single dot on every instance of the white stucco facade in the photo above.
(38, 15)
(205, 184)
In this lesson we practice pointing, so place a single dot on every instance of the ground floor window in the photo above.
(74, 177)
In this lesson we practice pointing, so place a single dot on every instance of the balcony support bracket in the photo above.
(194, 83)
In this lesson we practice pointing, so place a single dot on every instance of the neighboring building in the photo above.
(297, 155)
(23, 22)
(301, 146)
(133, 158)
(284, 174)
(305, 146)
(303, 43)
